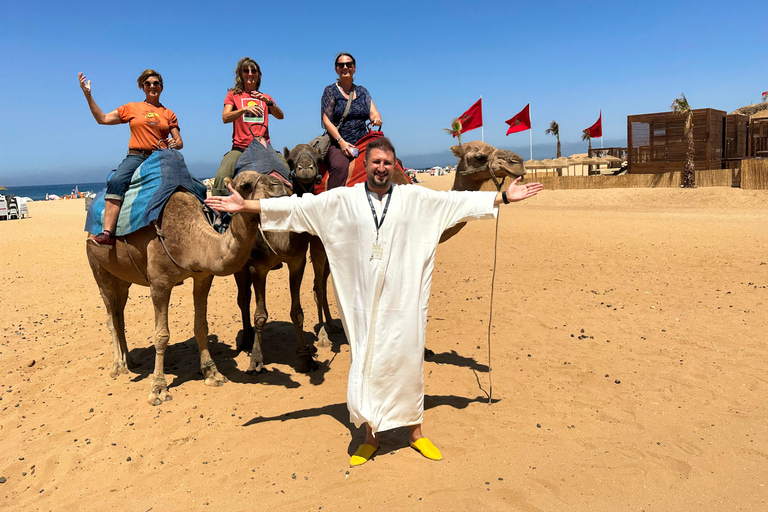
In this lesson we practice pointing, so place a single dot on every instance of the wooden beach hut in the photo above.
(758, 135)
(656, 142)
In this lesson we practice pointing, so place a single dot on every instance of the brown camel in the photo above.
(269, 250)
(191, 249)
(477, 163)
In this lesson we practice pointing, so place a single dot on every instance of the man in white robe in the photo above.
(381, 241)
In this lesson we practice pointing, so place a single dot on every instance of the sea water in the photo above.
(37, 192)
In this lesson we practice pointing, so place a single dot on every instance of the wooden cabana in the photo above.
(758, 135)
(656, 142)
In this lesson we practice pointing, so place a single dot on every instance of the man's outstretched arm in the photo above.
(517, 192)
(233, 203)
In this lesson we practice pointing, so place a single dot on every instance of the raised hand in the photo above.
(85, 85)
(231, 204)
(517, 192)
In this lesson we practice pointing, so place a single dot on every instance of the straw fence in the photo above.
(754, 173)
(711, 178)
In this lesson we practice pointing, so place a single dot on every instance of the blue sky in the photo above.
(424, 63)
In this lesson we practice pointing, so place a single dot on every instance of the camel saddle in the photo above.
(153, 183)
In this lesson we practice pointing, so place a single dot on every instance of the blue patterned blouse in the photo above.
(333, 105)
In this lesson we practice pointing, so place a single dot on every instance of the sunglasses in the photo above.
(250, 72)
(343, 65)
(156, 83)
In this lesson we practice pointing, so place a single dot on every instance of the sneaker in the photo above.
(103, 238)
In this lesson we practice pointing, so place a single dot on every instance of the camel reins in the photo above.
(498, 184)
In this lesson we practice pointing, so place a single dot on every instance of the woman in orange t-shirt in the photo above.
(150, 124)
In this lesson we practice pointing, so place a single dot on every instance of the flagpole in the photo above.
(482, 128)
(530, 130)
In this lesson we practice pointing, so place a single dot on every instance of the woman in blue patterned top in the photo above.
(362, 111)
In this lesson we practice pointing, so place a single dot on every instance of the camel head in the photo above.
(303, 163)
(476, 158)
(254, 185)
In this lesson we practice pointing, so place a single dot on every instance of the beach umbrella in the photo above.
(577, 156)
(534, 164)
(550, 164)
(562, 162)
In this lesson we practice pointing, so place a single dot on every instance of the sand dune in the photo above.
(628, 368)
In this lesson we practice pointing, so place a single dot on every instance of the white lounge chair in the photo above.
(21, 203)
(3, 208)
(13, 209)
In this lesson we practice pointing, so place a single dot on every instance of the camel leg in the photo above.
(243, 281)
(322, 271)
(200, 293)
(304, 351)
(114, 293)
(260, 316)
(161, 296)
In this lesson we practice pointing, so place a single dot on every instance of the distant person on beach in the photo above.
(150, 124)
(344, 135)
(381, 241)
(248, 110)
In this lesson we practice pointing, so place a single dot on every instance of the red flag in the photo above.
(472, 118)
(596, 130)
(521, 121)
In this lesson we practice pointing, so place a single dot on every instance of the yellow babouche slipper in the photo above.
(427, 449)
(363, 454)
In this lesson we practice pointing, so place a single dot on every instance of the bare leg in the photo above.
(111, 213)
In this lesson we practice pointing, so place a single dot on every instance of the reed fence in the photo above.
(754, 173)
(710, 178)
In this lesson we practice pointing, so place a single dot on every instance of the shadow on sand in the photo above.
(390, 440)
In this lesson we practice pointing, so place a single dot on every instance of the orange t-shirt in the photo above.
(149, 124)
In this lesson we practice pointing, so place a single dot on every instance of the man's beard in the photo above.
(374, 182)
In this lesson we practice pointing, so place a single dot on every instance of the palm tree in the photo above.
(554, 129)
(455, 129)
(680, 106)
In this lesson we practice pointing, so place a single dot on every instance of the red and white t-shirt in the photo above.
(248, 126)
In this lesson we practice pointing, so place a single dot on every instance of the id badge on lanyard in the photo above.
(377, 248)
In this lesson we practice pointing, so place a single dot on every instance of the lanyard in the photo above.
(376, 221)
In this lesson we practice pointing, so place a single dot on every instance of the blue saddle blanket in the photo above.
(153, 183)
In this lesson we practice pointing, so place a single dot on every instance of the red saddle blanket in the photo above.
(357, 173)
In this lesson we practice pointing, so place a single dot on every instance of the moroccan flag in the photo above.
(521, 121)
(472, 118)
(596, 130)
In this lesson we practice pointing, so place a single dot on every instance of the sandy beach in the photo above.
(628, 370)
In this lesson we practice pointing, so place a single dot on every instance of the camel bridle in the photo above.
(300, 184)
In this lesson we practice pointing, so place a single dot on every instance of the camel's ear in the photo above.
(458, 151)
(228, 181)
(286, 152)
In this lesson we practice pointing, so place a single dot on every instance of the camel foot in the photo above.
(307, 364)
(322, 338)
(333, 328)
(158, 395)
(255, 369)
(212, 376)
(118, 369)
